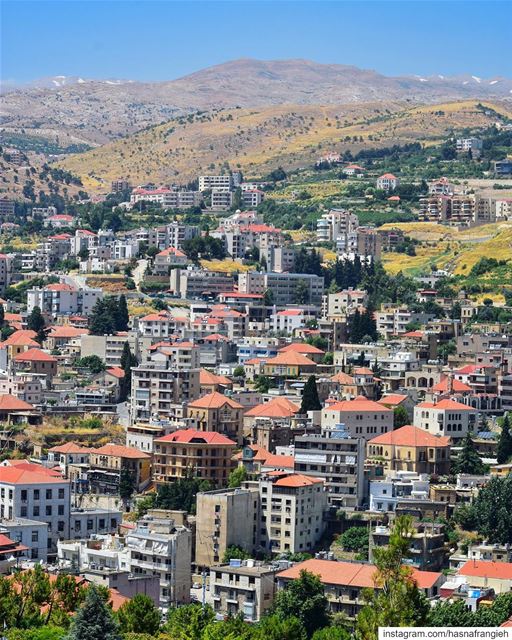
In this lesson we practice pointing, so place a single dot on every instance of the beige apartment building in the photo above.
(205, 454)
(225, 517)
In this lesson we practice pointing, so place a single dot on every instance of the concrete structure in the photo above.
(225, 517)
(397, 487)
(360, 417)
(286, 288)
(63, 299)
(446, 418)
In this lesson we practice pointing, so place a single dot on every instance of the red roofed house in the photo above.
(289, 320)
(218, 413)
(305, 349)
(68, 455)
(344, 582)
(387, 182)
(409, 449)
(362, 418)
(36, 361)
(206, 454)
(289, 364)
(269, 424)
(446, 418)
(209, 382)
(167, 259)
(110, 461)
(59, 221)
(292, 508)
(16, 411)
(10, 552)
(483, 573)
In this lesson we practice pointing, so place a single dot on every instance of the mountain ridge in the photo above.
(100, 111)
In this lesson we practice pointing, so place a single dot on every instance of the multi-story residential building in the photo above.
(167, 197)
(197, 283)
(6, 208)
(400, 486)
(336, 224)
(176, 233)
(109, 463)
(501, 168)
(31, 491)
(221, 199)
(224, 182)
(260, 347)
(409, 449)
(37, 362)
(435, 208)
(292, 508)
(388, 182)
(285, 288)
(226, 517)
(475, 145)
(63, 299)
(338, 460)
(5, 271)
(218, 413)
(207, 454)
(157, 387)
(344, 582)
(392, 320)
(167, 259)
(158, 546)
(339, 305)
(252, 197)
(242, 588)
(361, 418)
(427, 548)
(32, 535)
(279, 259)
(441, 187)
(119, 185)
(446, 418)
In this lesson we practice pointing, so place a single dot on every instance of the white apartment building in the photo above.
(284, 287)
(167, 197)
(225, 182)
(446, 418)
(335, 224)
(197, 283)
(110, 348)
(158, 546)
(358, 418)
(392, 320)
(27, 491)
(292, 508)
(338, 305)
(33, 534)
(63, 299)
(252, 197)
(398, 487)
(5, 271)
(469, 144)
(177, 233)
(221, 199)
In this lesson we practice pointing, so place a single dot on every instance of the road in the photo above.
(139, 271)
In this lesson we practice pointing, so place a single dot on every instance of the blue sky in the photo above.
(147, 40)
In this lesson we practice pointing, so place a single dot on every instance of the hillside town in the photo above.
(207, 435)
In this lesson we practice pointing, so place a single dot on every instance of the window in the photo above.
(61, 510)
(48, 494)
(61, 494)
(48, 510)
(60, 526)
(35, 511)
(24, 494)
(90, 524)
(36, 494)
(78, 525)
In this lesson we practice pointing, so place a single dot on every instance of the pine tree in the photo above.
(101, 322)
(35, 320)
(504, 452)
(468, 460)
(354, 332)
(2, 315)
(94, 620)
(310, 399)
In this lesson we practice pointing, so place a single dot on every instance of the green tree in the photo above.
(181, 494)
(122, 317)
(231, 628)
(235, 552)
(93, 620)
(35, 320)
(239, 372)
(2, 315)
(126, 485)
(400, 417)
(268, 298)
(504, 452)
(305, 600)
(396, 600)
(188, 622)
(272, 627)
(301, 293)
(490, 514)
(127, 362)
(331, 633)
(468, 460)
(237, 477)
(355, 539)
(94, 363)
(310, 399)
(139, 615)
(101, 321)
(9, 603)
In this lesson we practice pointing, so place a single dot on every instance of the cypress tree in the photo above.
(94, 620)
(310, 399)
(2, 315)
(504, 452)
(468, 460)
(127, 362)
(122, 317)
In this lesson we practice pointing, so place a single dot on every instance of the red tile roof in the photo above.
(301, 347)
(297, 480)
(214, 400)
(445, 405)
(34, 355)
(392, 399)
(22, 338)
(358, 404)
(70, 447)
(67, 331)
(11, 403)
(117, 372)
(291, 358)
(60, 287)
(208, 378)
(187, 436)
(276, 408)
(342, 378)
(487, 569)
(351, 573)
(410, 436)
(120, 451)
(20, 475)
(456, 385)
